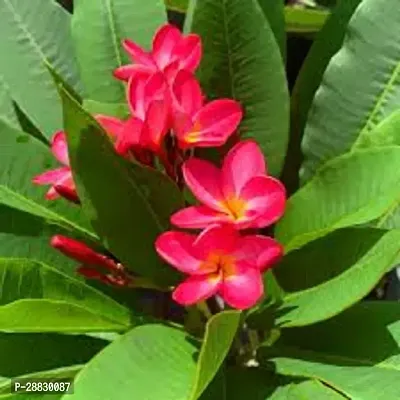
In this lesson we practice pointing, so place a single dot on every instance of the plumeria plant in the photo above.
(177, 221)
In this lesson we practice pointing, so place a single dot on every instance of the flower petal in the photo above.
(197, 288)
(265, 199)
(189, 51)
(59, 147)
(157, 118)
(136, 95)
(138, 54)
(130, 136)
(52, 176)
(125, 72)
(243, 289)
(113, 126)
(187, 93)
(164, 42)
(214, 123)
(260, 251)
(243, 162)
(204, 180)
(197, 217)
(221, 239)
(176, 248)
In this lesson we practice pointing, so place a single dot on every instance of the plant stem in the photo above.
(203, 307)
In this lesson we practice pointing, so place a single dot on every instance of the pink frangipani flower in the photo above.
(169, 48)
(93, 265)
(197, 124)
(219, 261)
(240, 193)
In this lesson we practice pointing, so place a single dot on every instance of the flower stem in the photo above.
(203, 307)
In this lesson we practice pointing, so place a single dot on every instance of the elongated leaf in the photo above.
(361, 345)
(98, 28)
(350, 190)
(274, 10)
(386, 133)
(242, 61)
(342, 281)
(65, 373)
(24, 353)
(326, 44)
(38, 298)
(7, 111)
(25, 46)
(118, 110)
(347, 105)
(220, 332)
(131, 215)
(154, 362)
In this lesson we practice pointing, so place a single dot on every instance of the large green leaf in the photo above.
(346, 104)
(274, 10)
(98, 28)
(38, 298)
(154, 362)
(242, 61)
(260, 384)
(25, 353)
(27, 42)
(325, 45)
(7, 111)
(131, 215)
(349, 190)
(357, 352)
(326, 281)
(220, 332)
(386, 133)
(65, 373)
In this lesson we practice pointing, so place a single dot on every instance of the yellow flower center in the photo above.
(217, 263)
(193, 135)
(236, 207)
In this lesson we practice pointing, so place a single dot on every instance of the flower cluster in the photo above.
(223, 260)
(170, 116)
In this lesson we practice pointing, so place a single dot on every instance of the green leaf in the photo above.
(98, 28)
(60, 373)
(220, 332)
(274, 11)
(386, 133)
(129, 217)
(329, 281)
(352, 189)
(118, 110)
(26, 44)
(347, 105)
(154, 361)
(25, 353)
(38, 298)
(7, 111)
(300, 20)
(242, 61)
(357, 347)
(326, 44)
(180, 6)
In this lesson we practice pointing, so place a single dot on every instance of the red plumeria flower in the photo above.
(197, 124)
(60, 179)
(170, 47)
(240, 193)
(219, 261)
(94, 265)
(148, 100)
